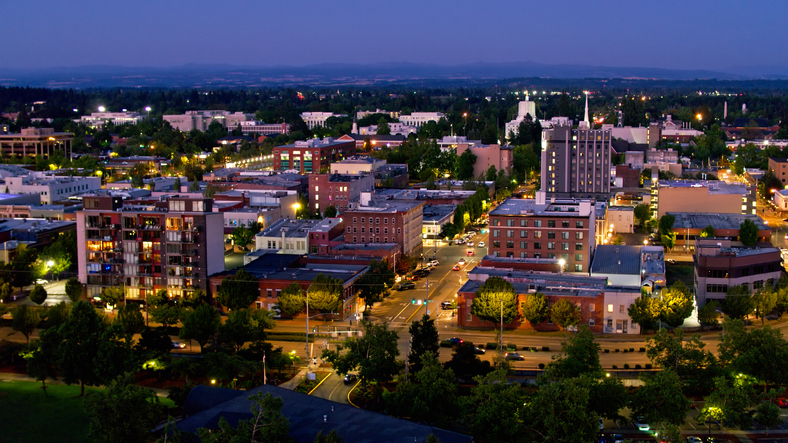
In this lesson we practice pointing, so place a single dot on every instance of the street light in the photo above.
(50, 263)
(297, 206)
(561, 262)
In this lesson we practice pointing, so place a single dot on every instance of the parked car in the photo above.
(461, 262)
(514, 356)
(478, 350)
(178, 345)
(460, 241)
(455, 340)
(694, 440)
(434, 263)
(350, 378)
(456, 268)
(41, 281)
(481, 244)
(447, 305)
(781, 402)
(406, 285)
(423, 272)
(640, 424)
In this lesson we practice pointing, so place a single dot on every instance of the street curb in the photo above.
(351, 391)
(318, 385)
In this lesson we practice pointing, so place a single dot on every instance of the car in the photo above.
(434, 263)
(455, 341)
(414, 277)
(601, 424)
(694, 440)
(671, 261)
(447, 305)
(640, 423)
(618, 438)
(781, 402)
(514, 356)
(460, 241)
(461, 262)
(481, 244)
(478, 350)
(406, 285)
(470, 244)
(178, 345)
(456, 268)
(350, 378)
(469, 253)
(41, 281)
(423, 272)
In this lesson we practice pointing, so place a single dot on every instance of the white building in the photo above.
(262, 128)
(99, 119)
(51, 188)
(524, 108)
(315, 119)
(394, 127)
(419, 118)
(286, 235)
(200, 120)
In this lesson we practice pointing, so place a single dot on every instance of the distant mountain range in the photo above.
(361, 75)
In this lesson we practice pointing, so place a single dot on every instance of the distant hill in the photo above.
(338, 75)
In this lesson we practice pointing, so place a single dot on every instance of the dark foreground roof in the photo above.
(205, 405)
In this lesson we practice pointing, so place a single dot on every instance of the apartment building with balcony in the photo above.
(144, 248)
(539, 228)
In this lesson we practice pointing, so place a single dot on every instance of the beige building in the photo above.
(36, 141)
(488, 155)
(620, 219)
(705, 197)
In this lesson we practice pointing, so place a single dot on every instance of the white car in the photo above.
(470, 243)
(435, 263)
(481, 244)
(41, 281)
(694, 440)
(461, 262)
(641, 424)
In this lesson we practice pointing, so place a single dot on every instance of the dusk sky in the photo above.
(720, 35)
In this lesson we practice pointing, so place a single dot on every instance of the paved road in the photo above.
(334, 389)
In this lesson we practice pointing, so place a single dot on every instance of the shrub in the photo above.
(638, 367)
(446, 344)
(541, 365)
(626, 365)
(607, 351)
(545, 348)
(642, 350)
(481, 346)
(615, 367)
(511, 346)
(616, 350)
(648, 366)
(631, 349)
(626, 350)
(491, 346)
(526, 348)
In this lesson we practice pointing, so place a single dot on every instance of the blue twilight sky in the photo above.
(725, 35)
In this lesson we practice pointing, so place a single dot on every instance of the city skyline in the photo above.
(671, 35)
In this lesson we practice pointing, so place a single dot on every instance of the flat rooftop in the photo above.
(327, 224)
(693, 220)
(553, 208)
(289, 228)
(713, 186)
(616, 259)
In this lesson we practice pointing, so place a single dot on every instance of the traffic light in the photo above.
(413, 302)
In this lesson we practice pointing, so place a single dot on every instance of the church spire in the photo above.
(585, 119)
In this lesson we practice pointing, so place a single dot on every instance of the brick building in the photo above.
(562, 229)
(143, 249)
(386, 221)
(311, 155)
(338, 190)
(323, 236)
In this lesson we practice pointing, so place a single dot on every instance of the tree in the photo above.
(153, 343)
(495, 301)
(58, 314)
(124, 412)
(23, 266)
(768, 414)
(80, 341)
(708, 315)
(166, 315)
(375, 282)
(267, 424)
(238, 329)
(130, 318)
(238, 291)
(5, 290)
(200, 325)
(565, 314)
(331, 437)
(325, 293)
(194, 186)
(675, 304)
(737, 303)
(25, 319)
(115, 355)
(291, 300)
(432, 396)
(695, 366)
(666, 224)
(729, 402)
(464, 165)
(559, 411)
(424, 339)
(73, 289)
(644, 311)
(535, 308)
(466, 364)
(242, 236)
(493, 410)
(41, 357)
(491, 173)
(764, 302)
(374, 354)
(111, 296)
(708, 231)
(669, 240)
(756, 352)
(660, 400)
(383, 127)
(748, 233)
(581, 356)
(330, 212)
(643, 214)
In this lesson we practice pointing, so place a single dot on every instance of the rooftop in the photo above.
(547, 283)
(714, 186)
(616, 259)
(691, 220)
(289, 228)
(716, 251)
(326, 225)
(553, 208)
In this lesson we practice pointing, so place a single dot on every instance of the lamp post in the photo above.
(306, 344)
(562, 262)
(296, 207)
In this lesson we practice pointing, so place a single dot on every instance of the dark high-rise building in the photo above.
(576, 162)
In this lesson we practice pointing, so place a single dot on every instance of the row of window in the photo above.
(377, 230)
(536, 245)
(377, 220)
(538, 234)
(372, 239)
(579, 224)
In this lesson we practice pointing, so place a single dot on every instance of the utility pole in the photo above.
(306, 345)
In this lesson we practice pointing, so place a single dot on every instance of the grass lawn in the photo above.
(29, 415)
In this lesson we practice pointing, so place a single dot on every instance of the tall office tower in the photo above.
(576, 162)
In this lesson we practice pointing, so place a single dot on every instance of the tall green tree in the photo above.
(111, 296)
(535, 308)
(80, 342)
(330, 212)
(124, 412)
(729, 403)
(644, 312)
(238, 291)
(383, 127)
(373, 355)
(764, 301)
(565, 314)
(495, 301)
(242, 236)
(643, 214)
(325, 294)
(41, 357)
(580, 356)
(38, 295)
(464, 166)
(708, 231)
(737, 303)
(238, 329)
(756, 352)
(494, 410)
(675, 304)
(375, 282)
(660, 400)
(291, 300)
(466, 364)
(130, 318)
(708, 315)
(559, 411)
(115, 355)
(432, 396)
(25, 320)
(424, 339)
(73, 289)
(200, 325)
(666, 224)
(748, 233)
(694, 365)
